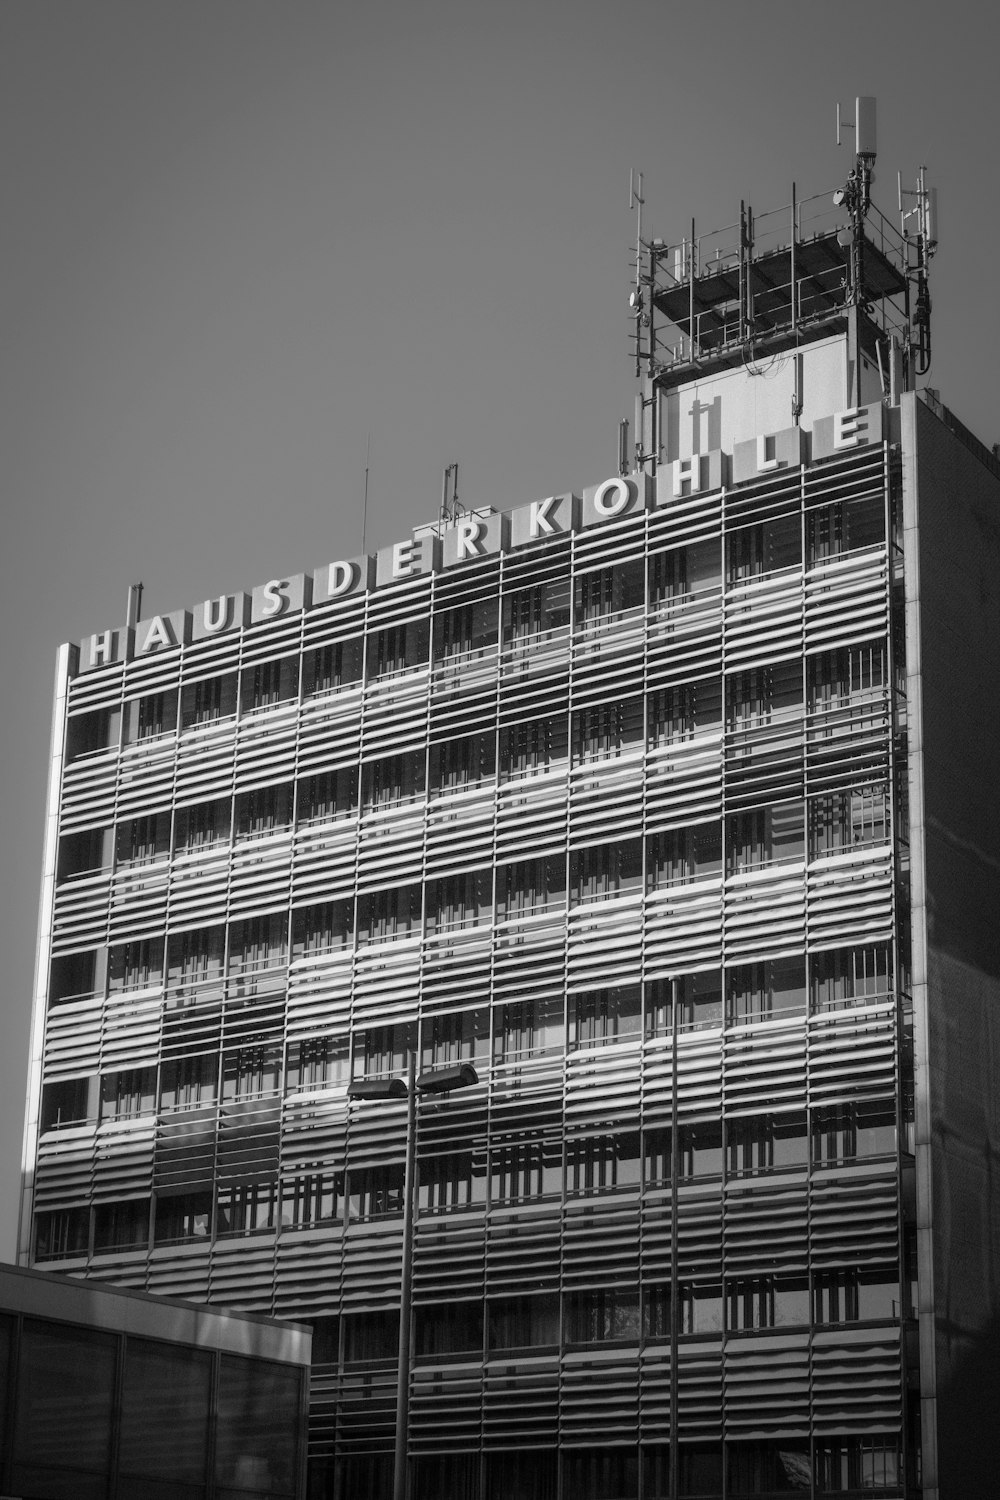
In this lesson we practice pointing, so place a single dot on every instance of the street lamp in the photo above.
(434, 1081)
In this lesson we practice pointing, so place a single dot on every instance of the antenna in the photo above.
(635, 301)
(364, 518)
(450, 508)
(623, 447)
(924, 240)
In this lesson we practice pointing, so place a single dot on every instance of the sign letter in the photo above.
(539, 519)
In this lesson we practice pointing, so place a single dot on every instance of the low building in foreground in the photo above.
(671, 811)
(107, 1392)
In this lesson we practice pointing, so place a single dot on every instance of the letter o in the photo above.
(612, 497)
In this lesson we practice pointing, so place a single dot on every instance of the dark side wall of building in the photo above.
(956, 591)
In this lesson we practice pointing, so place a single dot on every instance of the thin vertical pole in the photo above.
(691, 297)
(795, 290)
(405, 1285)
(364, 518)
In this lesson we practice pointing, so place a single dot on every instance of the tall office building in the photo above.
(671, 811)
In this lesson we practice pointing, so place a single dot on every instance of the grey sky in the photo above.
(239, 236)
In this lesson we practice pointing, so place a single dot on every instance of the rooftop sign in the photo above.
(484, 535)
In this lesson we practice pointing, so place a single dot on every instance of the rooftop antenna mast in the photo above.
(637, 301)
(923, 236)
(450, 507)
(856, 197)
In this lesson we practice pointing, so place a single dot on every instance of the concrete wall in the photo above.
(953, 643)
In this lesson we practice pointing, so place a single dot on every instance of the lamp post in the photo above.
(435, 1081)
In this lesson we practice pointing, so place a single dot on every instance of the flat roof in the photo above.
(96, 1304)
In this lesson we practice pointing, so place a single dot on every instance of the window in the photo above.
(257, 943)
(454, 1181)
(535, 611)
(381, 1051)
(700, 1307)
(65, 1103)
(135, 966)
(462, 763)
(455, 901)
(325, 928)
(251, 1072)
(466, 628)
(699, 1150)
(122, 1226)
(85, 853)
(766, 991)
(848, 1132)
(606, 870)
(187, 1082)
(375, 1192)
(790, 1301)
(151, 716)
(245, 1208)
(201, 826)
(768, 1468)
(87, 734)
(383, 915)
(606, 592)
(844, 526)
(682, 571)
(535, 746)
(869, 1464)
(208, 701)
(766, 1143)
(763, 695)
(75, 975)
(529, 886)
(314, 1198)
(329, 668)
(857, 818)
(683, 854)
(848, 976)
(397, 648)
(456, 1037)
(764, 547)
(607, 729)
(656, 1156)
(528, 1028)
(688, 708)
(749, 1304)
(851, 675)
(524, 1322)
(848, 1296)
(601, 1163)
(605, 1016)
(184, 1216)
(62, 1232)
(269, 683)
(656, 1311)
(602, 1315)
(264, 810)
(141, 840)
(525, 1169)
(370, 1336)
(764, 836)
(397, 778)
(128, 1094)
(331, 794)
(321, 1062)
(450, 1328)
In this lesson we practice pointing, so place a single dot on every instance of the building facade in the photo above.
(668, 808)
